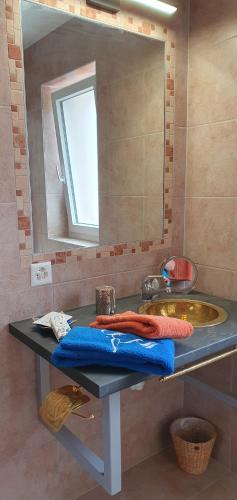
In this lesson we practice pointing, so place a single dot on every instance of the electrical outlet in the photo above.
(41, 273)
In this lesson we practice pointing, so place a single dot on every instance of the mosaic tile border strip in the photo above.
(122, 19)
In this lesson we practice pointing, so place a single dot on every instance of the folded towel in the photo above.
(183, 270)
(85, 346)
(145, 325)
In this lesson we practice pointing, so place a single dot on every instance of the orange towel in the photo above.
(183, 270)
(144, 325)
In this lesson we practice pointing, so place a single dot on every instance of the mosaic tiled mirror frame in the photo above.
(122, 19)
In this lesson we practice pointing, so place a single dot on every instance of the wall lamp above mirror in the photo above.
(108, 5)
(114, 5)
(163, 7)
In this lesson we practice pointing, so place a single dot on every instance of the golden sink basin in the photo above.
(198, 313)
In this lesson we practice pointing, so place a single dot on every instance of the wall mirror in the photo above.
(95, 123)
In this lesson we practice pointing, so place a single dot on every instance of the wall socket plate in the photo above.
(41, 273)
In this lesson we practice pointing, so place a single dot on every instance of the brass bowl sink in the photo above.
(198, 313)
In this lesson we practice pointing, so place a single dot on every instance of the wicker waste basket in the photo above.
(193, 439)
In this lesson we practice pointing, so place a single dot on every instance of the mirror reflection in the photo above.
(179, 274)
(95, 120)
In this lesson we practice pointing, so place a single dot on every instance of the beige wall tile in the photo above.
(212, 22)
(4, 73)
(218, 375)
(181, 64)
(33, 302)
(220, 282)
(2, 16)
(7, 183)
(218, 414)
(10, 259)
(56, 215)
(129, 219)
(153, 100)
(179, 161)
(212, 159)
(36, 153)
(108, 227)
(153, 164)
(125, 107)
(178, 225)
(103, 168)
(211, 231)
(121, 218)
(71, 294)
(212, 79)
(50, 158)
(39, 215)
(153, 217)
(8, 224)
(125, 159)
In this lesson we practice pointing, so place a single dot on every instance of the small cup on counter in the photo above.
(105, 300)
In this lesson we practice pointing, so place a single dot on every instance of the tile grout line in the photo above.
(216, 267)
(198, 495)
(207, 124)
(86, 278)
(211, 197)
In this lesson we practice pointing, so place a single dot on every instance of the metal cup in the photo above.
(105, 300)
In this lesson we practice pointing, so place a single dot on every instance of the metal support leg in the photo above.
(108, 472)
(112, 442)
(42, 379)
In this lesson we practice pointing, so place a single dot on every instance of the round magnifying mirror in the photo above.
(179, 274)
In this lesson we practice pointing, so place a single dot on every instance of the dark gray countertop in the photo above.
(103, 381)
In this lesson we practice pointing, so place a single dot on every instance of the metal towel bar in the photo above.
(199, 365)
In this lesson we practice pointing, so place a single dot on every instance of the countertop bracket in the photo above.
(106, 472)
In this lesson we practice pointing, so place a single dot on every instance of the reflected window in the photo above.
(75, 118)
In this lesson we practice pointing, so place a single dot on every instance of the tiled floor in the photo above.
(159, 478)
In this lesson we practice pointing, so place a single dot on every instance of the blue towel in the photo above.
(85, 346)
